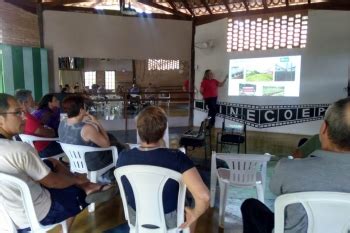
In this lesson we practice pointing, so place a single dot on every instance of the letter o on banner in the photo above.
(288, 114)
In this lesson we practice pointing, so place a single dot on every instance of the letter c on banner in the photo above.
(266, 116)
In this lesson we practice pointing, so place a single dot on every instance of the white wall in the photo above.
(110, 64)
(103, 36)
(324, 71)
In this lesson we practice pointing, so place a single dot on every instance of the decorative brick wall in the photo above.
(17, 26)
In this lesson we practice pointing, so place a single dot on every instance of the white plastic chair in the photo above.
(27, 206)
(6, 224)
(182, 149)
(326, 211)
(30, 139)
(164, 97)
(77, 162)
(245, 170)
(147, 183)
(133, 145)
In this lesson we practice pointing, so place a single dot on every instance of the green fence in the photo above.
(23, 67)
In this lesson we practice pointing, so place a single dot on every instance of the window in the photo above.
(161, 64)
(268, 32)
(110, 80)
(90, 78)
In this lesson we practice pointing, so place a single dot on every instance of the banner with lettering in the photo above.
(265, 116)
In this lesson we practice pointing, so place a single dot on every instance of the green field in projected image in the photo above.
(273, 91)
(256, 76)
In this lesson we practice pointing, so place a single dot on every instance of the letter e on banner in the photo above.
(251, 115)
(305, 113)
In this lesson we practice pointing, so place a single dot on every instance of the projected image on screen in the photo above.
(269, 76)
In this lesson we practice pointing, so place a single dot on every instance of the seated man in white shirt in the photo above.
(57, 194)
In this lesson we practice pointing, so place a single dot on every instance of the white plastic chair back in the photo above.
(243, 168)
(182, 149)
(28, 204)
(147, 183)
(326, 211)
(77, 162)
(30, 139)
(6, 224)
(165, 137)
(133, 145)
(76, 155)
(164, 96)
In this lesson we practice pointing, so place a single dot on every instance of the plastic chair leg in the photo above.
(260, 192)
(223, 198)
(93, 178)
(64, 227)
(213, 183)
(91, 207)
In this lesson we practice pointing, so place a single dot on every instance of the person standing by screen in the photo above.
(186, 85)
(209, 91)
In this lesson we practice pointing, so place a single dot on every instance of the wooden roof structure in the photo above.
(201, 11)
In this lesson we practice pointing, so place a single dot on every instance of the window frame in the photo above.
(87, 76)
(107, 82)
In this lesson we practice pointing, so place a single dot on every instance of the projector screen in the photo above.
(268, 76)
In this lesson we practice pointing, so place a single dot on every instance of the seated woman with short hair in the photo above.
(151, 125)
(81, 128)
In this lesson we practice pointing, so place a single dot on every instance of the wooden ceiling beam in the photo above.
(171, 3)
(287, 3)
(160, 7)
(63, 2)
(264, 2)
(204, 2)
(112, 12)
(246, 5)
(187, 6)
(226, 5)
(314, 6)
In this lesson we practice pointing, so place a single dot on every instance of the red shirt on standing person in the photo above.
(209, 88)
(186, 86)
